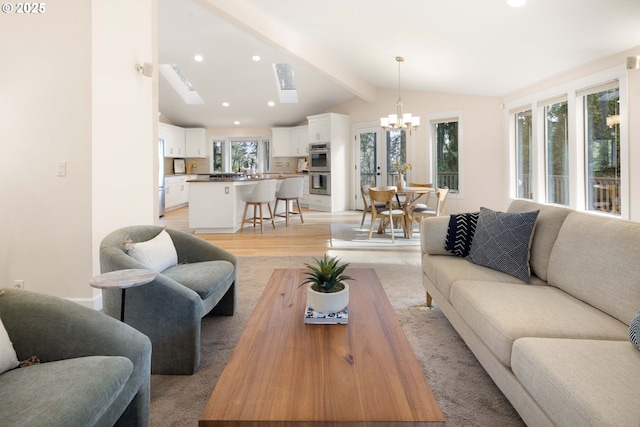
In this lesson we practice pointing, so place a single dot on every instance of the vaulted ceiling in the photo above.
(339, 49)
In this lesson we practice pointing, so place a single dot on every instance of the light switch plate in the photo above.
(61, 168)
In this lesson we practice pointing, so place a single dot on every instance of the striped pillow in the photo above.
(460, 233)
(634, 331)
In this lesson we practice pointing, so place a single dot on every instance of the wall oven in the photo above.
(320, 183)
(319, 158)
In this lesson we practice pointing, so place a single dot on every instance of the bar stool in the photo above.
(263, 192)
(290, 189)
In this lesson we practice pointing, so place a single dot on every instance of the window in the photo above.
(396, 153)
(218, 156)
(602, 150)
(238, 154)
(557, 153)
(570, 144)
(244, 154)
(524, 158)
(446, 157)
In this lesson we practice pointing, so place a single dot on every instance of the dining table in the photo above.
(413, 195)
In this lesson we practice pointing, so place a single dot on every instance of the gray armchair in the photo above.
(169, 309)
(94, 370)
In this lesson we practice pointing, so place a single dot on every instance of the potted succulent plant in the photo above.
(326, 290)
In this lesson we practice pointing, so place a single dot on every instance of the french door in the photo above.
(376, 151)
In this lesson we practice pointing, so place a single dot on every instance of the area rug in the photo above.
(465, 393)
(354, 236)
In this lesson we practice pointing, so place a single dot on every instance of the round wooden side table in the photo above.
(123, 279)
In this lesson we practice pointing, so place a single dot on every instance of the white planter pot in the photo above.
(328, 302)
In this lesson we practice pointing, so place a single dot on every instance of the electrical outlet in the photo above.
(18, 284)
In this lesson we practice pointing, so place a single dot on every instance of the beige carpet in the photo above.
(354, 236)
(465, 393)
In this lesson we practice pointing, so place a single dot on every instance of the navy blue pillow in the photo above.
(460, 233)
(502, 241)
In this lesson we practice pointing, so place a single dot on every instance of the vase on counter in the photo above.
(401, 182)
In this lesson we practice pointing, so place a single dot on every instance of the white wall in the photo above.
(46, 117)
(49, 225)
(124, 185)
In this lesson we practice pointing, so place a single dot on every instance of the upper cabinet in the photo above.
(196, 142)
(174, 140)
(290, 142)
(281, 142)
(320, 128)
(300, 141)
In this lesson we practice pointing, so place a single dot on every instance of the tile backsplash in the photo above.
(197, 165)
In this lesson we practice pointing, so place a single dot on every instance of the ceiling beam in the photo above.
(249, 18)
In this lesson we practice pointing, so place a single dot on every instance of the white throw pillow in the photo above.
(157, 254)
(8, 357)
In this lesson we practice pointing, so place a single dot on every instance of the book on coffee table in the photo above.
(341, 317)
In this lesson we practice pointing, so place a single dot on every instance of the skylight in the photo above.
(285, 83)
(180, 83)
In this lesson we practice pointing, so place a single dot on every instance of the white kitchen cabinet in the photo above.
(333, 129)
(300, 141)
(177, 191)
(174, 140)
(319, 128)
(196, 142)
(304, 200)
(281, 143)
(319, 202)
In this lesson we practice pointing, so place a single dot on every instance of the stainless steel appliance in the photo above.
(320, 183)
(161, 177)
(319, 158)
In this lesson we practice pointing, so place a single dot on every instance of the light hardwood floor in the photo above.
(311, 238)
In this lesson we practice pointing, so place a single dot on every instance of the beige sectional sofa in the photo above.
(558, 348)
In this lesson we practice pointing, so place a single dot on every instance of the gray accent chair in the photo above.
(94, 370)
(169, 309)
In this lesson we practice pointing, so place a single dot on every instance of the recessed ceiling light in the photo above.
(516, 3)
(271, 103)
(236, 122)
(198, 58)
(255, 58)
(225, 104)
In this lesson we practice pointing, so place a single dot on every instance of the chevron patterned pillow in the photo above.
(502, 242)
(634, 331)
(460, 233)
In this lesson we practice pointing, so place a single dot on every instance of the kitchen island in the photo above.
(216, 205)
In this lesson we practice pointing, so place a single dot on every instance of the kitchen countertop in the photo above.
(260, 177)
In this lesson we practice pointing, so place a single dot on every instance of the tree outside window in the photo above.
(396, 153)
(524, 158)
(446, 140)
(244, 154)
(557, 153)
(602, 140)
(218, 156)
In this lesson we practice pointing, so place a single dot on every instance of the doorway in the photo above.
(376, 151)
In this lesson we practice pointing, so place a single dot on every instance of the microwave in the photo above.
(319, 158)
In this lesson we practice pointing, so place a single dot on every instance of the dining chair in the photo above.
(263, 192)
(290, 191)
(364, 191)
(418, 213)
(385, 195)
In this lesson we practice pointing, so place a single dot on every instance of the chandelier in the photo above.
(399, 120)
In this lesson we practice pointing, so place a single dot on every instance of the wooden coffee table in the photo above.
(285, 372)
